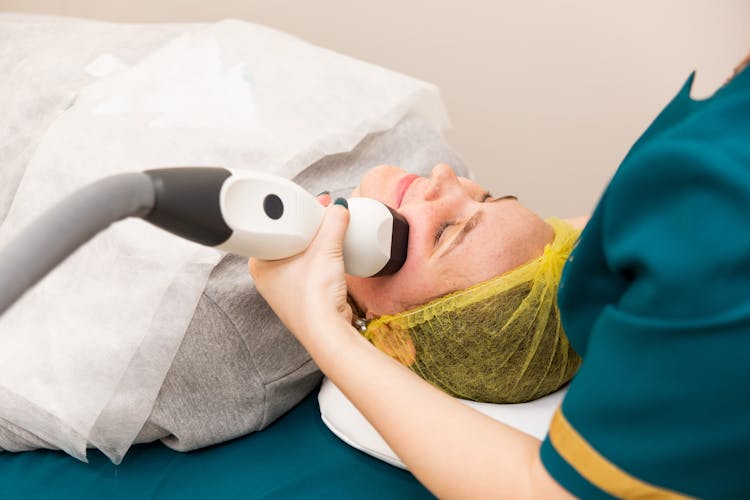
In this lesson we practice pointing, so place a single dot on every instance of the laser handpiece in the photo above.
(260, 215)
(243, 212)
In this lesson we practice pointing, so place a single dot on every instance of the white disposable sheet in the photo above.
(83, 354)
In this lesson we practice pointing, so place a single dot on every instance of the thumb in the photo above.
(331, 233)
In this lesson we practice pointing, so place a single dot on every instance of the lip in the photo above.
(402, 186)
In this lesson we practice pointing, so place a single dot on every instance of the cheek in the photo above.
(414, 283)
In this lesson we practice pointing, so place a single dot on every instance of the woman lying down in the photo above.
(472, 310)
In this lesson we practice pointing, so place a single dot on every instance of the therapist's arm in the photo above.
(455, 451)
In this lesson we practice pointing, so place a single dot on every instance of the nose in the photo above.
(442, 178)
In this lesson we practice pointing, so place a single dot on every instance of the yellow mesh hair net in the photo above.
(499, 341)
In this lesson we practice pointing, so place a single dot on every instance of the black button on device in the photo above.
(273, 206)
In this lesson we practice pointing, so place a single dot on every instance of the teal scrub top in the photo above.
(656, 299)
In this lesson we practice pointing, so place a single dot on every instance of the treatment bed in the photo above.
(296, 457)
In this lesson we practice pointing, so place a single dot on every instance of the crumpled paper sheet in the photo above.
(83, 354)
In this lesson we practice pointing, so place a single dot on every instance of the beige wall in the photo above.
(545, 96)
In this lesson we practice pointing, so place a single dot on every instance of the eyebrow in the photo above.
(470, 224)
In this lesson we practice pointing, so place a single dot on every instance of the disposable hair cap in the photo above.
(499, 341)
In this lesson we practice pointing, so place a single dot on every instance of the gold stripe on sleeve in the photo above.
(598, 470)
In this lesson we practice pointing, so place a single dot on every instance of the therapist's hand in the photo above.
(308, 291)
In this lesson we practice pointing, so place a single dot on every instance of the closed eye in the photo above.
(440, 232)
(485, 197)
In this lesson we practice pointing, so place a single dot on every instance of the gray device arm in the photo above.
(51, 238)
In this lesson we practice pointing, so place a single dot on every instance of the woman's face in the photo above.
(458, 236)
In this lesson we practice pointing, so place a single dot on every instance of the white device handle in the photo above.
(274, 218)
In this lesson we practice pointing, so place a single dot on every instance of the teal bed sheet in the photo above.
(296, 457)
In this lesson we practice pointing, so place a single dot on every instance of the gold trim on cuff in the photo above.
(599, 471)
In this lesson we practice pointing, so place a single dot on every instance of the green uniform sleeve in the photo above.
(661, 283)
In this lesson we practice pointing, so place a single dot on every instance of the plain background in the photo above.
(545, 96)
